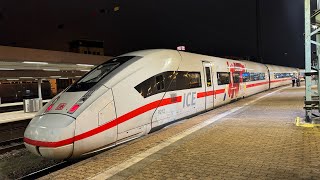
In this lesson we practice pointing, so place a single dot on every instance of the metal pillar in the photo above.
(308, 59)
(39, 89)
(312, 99)
(317, 64)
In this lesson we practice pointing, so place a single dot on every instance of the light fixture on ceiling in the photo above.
(85, 70)
(12, 79)
(33, 62)
(6, 69)
(26, 77)
(55, 76)
(51, 69)
(85, 65)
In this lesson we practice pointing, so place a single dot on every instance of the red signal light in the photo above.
(73, 108)
(49, 107)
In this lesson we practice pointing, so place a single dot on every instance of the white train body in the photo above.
(136, 93)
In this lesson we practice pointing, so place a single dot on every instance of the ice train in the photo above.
(133, 94)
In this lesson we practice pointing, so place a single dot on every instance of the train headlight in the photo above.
(76, 106)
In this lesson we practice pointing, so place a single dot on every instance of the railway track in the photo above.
(50, 169)
(47, 170)
(11, 135)
(10, 145)
(12, 130)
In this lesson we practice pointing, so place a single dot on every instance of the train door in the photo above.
(209, 90)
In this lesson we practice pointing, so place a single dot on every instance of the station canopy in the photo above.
(29, 64)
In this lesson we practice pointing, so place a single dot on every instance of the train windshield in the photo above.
(98, 73)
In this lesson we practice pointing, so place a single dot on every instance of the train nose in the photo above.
(50, 136)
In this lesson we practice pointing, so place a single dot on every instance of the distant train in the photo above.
(133, 94)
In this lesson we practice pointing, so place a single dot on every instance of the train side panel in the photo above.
(228, 81)
(256, 78)
(96, 117)
(135, 109)
(280, 75)
(189, 104)
(221, 89)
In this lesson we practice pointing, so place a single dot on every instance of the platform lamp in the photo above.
(181, 48)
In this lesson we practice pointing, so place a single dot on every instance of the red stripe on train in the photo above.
(257, 84)
(263, 83)
(279, 80)
(106, 126)
(209, 93)
(49, 144)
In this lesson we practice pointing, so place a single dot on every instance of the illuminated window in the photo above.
(236, 77)
(208, 76)
(170, 81)
(223, 78)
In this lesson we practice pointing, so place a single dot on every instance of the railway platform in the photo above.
(15, 116)
(253, 138)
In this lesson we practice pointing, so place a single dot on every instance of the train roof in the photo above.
(145, 52)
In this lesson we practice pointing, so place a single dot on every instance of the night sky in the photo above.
(211, 27)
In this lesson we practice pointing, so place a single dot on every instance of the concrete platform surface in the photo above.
(15, 116)
(254, 138)
(8, 117)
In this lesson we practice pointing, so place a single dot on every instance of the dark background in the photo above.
(212, 27)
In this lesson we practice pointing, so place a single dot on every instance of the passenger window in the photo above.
(160, 83)
(255, 76)
(195, 80)
(187, 80)
(262, 76)
(146, 88)
(246, 77)
(223, 78)
(169, 80)
(182, 80)
(236, 77)
(208, 76)
(282, 75)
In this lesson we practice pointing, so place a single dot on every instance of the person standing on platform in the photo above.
(293, 80)
(298, 81)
